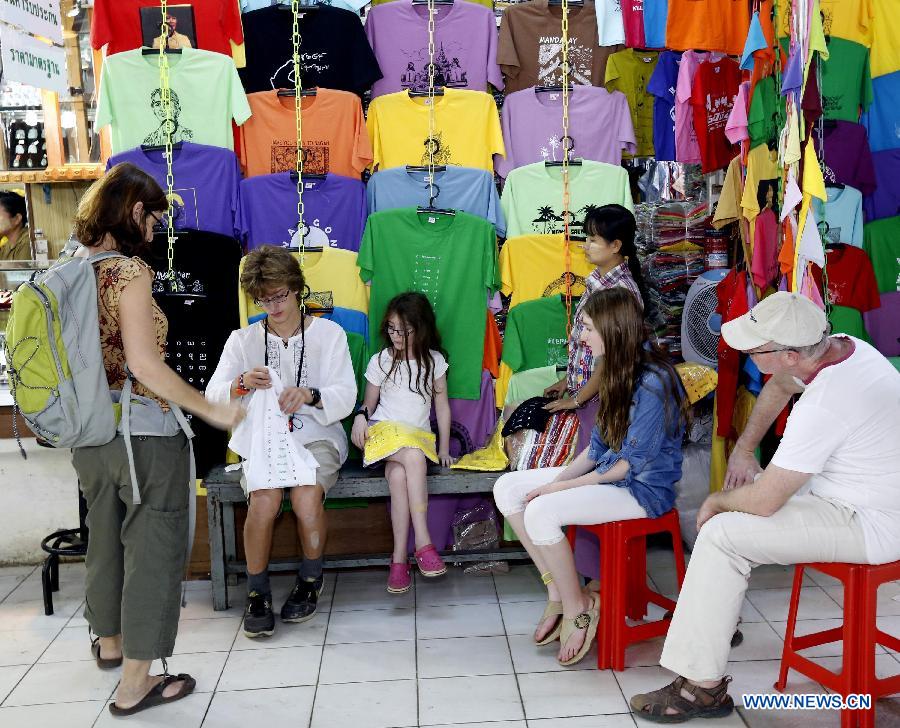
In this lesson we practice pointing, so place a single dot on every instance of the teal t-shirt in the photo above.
(453, 261)
(536, 334)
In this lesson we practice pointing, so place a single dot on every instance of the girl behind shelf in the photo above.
(393, 425)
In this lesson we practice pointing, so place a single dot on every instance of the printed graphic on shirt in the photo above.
(718, 110)
(427, 276)
(180, 31)
(827, 19)
(179, 133)
(186, 211)
(316, 237)
(554, 151)
(566, 280)
(309, 62)
(316, 156)
(274, 352)
(830, 235)
(190, 358)
(448, 70)
(557, 351)
(550, 61)
(435, 149)
(181, 282)
(549, 222)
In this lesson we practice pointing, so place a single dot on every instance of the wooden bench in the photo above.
(223, 491)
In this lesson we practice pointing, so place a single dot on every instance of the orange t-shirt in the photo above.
(713, 25)
(334, 134)
(493, 347)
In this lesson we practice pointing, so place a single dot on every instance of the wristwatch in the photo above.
(316, 396)
(362, 411)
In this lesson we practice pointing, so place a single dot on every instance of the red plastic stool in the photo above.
(859, 633)
(623, 583)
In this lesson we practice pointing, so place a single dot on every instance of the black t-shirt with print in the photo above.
(335, 51)
(202, 309)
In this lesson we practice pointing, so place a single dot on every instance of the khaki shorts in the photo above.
(329, 460)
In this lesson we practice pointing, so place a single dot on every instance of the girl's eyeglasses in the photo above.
(399, 332)
(272, 300)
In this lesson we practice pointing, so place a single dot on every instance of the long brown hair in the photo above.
(415, 312)
(106, 208)
(628, 352)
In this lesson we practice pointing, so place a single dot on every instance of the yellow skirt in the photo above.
(386, 438)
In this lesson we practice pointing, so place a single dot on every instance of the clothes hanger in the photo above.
(436, 91)
(151, 51)
(435, 2)
(306, 248)
(835, 185)
(294, 176)
(159, 147)
(572, 163)
(553, 88)
(293, 93)
(432, 196)
(419, 168)
(570, 3)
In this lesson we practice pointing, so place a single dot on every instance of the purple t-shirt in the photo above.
(599, 124)
(881, 324)
(885, 200)
(465, 42)
(662, 86)
(847, 157)
(334, 210)
(472, 421)
(206, 184)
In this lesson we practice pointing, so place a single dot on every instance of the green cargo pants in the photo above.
(135, 557)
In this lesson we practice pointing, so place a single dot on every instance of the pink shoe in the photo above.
(429, 560)
(399, 580)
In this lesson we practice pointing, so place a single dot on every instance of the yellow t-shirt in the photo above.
(466, 130)
(762, 164)
(333, 280)
(847, 19)
(885, 56)
(533, 266)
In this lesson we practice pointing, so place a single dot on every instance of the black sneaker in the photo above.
(258, 617)
(303, 600)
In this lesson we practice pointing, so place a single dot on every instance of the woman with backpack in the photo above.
(136, 551)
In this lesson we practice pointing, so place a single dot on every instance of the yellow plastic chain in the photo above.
(298, 113)
(567, 146)
(431, 110)
(166, 99)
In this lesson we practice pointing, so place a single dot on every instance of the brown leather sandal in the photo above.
(155, 696)
(708, 702)
(104, 663)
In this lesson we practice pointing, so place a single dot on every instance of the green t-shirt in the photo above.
(882, 245)
(629, 71)
(536, 334)
(453, 261)
(846, 320)
(530, 383)
(846, 80)
(206, 95)
(762, 120)
(532, 199)
(895, 360)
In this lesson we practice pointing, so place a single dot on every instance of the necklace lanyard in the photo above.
(302, 357)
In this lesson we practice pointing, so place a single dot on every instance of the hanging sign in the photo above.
(38, 17)
(32, 62)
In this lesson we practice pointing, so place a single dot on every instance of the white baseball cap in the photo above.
(788, 319)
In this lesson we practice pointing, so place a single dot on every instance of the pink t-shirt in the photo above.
(687, 148)
(736, 129)
(765, 243)
(633, 20)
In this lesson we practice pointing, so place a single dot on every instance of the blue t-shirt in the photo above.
(662, 86)
(206, 184)
(353, 322)
(461, 188)
(334, 211)
(881, 118)
(655, 14)
(840, 219)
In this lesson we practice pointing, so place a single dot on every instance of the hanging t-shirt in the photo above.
(466, 130)
(459, 188)
(472, 421)
(534, 266)
(486, 3)
(882, 324)
(202, 311)
(633, 20)
(629, 71)
(535, 337)
(764, 266)
(121, 25)
(882, 245)
(206, 184)
(851, 279)
(848, 19)
(717, 25)
(687, 148)
(352, 5)
(762, 121)
(737, 126)
(881, 118)
(662, 86)
(530, 47)
(885, 38)
(465, 42)
(885, 200)
(532, 198)
(610, 27)
(334, 211)
(334, 134)
(600, 127)
(205, 91)
(846, 82)
(840, 219)
(762, 170)
(714, 91)
(335, 51)
(655, 15)
(848, 160)
(399, 401)
(453, 261)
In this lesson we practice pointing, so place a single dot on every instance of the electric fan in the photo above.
(700, 324)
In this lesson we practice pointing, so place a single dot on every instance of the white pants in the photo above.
(546, 515)
(806, 529)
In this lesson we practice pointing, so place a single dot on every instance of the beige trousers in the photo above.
(806, 529)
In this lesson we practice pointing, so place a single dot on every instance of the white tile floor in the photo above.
(453, 652)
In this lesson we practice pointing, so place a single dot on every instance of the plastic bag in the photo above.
(692, 489)
(478, 528)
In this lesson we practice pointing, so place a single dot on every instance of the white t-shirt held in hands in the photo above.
(397, 402)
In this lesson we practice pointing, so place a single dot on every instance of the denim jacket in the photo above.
(654, 455)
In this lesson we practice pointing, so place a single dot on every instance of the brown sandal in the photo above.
(155, 696)
(104, 663)
(708, 702)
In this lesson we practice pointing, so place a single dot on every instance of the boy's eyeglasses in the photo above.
(768, 351)
(272, 300)
(399, 332)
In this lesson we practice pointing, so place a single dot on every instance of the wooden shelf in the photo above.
(66, 173)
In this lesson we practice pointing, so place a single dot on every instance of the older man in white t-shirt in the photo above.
(831, 492)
